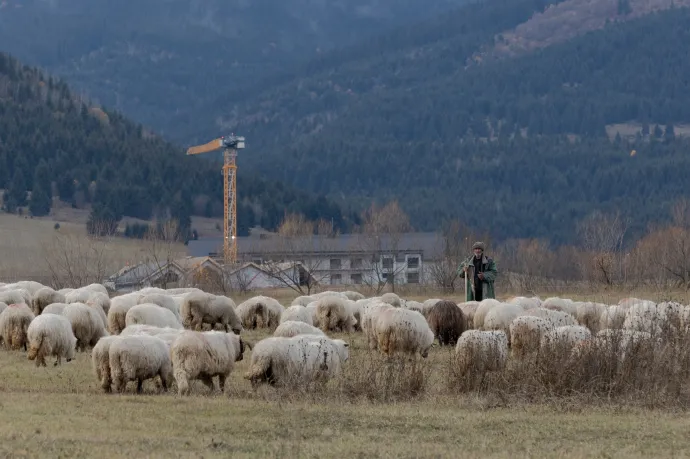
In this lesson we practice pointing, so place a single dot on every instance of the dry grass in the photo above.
(26, 243)
(378, 409)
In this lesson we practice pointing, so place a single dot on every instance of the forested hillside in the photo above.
(414, 122)
(53, 144)
(158, 62)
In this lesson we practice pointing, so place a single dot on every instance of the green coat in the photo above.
(490, 273)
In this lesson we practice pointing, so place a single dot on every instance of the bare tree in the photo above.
(453, 241)
(75, 260)
(602, 236)
(161, 243)
(298, 255)
(380, 234)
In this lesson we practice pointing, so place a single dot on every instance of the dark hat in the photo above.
(478, 245)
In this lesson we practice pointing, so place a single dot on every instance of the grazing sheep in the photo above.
(354, 296)
(296, 313)
(281, 361)
(646, 317)
(334, 314)
(402, 330)
(370, 314)
(15, 296)
(447, 322)
(118, 311)
(392, 299)
(526, 303)
(203, 355)
(164, 301)
(200, 308)
(557, 318)
(589, 315)
(102, 303)
(51, 334)
(481, 351)
(30, 286)
(138, 358)
(568, 336)
(612, 318)
(526, 333)
(45, 297)
(55, 308)
(302, 300)
(560, 304)
(482, 310)
(14, 323)
(86, 325)
(100, 361)
(254, 312)
(414, 306)
(501, 316)
(151, 314)
(291, 328)
(167, 334)
(469, 309)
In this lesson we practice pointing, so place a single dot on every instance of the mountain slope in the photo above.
(159, 61)
(414, 123)
(90, 155)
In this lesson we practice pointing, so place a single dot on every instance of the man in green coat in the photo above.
(484, 274)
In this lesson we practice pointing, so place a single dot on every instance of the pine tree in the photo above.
(16, 193)
(41, 200)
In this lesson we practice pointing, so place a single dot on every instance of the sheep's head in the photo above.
(33, 353)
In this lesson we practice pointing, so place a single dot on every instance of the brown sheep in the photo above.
(447, 322)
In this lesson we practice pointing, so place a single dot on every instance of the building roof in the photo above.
(430, 244)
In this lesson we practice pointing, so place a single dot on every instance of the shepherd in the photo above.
(479, 284)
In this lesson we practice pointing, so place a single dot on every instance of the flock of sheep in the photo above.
(181, 335)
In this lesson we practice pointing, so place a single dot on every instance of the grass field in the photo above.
(61, 412)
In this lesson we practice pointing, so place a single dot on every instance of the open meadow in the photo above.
(377, 407)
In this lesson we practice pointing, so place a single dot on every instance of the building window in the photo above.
(336, 279)
(335, 263)
(387, 263)
(413, 278)
(413, 262)
(356, 278)
(356, 263)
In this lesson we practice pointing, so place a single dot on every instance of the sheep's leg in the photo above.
(163, 383)
(58, 361)
(221, 381)
(208, 382)
(140, 386)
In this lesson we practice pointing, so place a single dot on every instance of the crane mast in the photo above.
(230, 145)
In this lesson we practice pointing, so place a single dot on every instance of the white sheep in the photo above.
(402, 330)
(151, 314)
(568, 337)
(302, 300)
(297, 313)
(335, 314)
(167, 334)
(354, 296)
(526, 303)
(500, 317)
(118, 311)
(100, 361)
(138, 358)
(14, 323)
(3, 306)
(51, 335)
(164, 301)
(86, 324)
(392, 299)
(281, 361)
(589, 315)
(259, 312)
(612, 318)
(556, 317)
(469, 309)
(370, 314)
(646, 317)
(55, 308)
(44, 297)
(526, 333)
(560, 304)
(291, 328)
(204, 308)
(482, 310)
(203, 355)
(15, 296)
(481, 351)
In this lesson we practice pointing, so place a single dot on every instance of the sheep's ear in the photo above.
(347, 344)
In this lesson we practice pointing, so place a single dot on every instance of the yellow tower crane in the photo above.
(230, 145)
